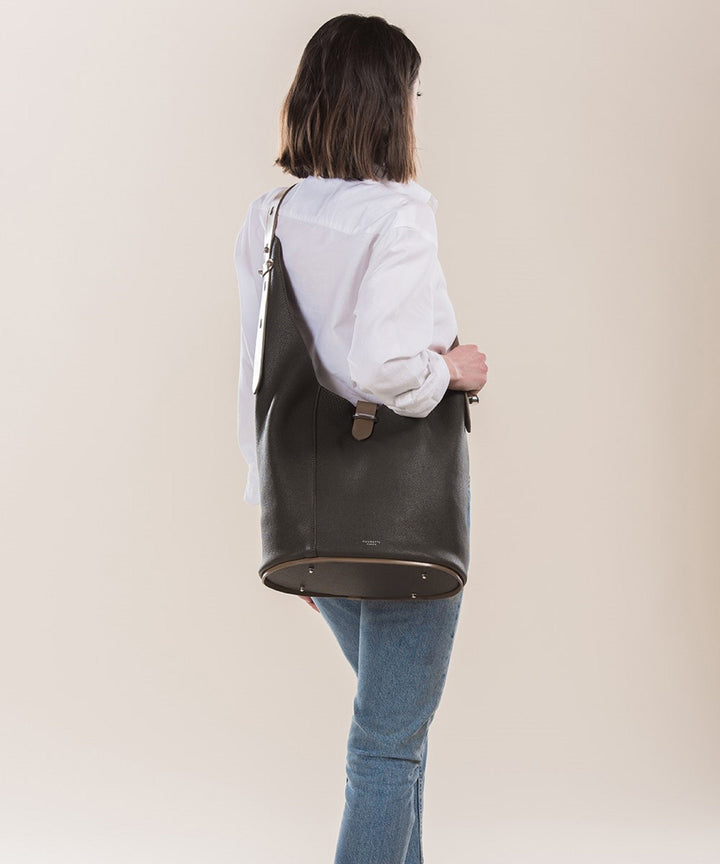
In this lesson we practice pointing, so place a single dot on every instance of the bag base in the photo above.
(363, 578)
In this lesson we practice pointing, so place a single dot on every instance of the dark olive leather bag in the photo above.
(356, 500)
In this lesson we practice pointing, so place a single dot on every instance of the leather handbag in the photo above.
(356, 500)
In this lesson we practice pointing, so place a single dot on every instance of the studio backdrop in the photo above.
(159, 704)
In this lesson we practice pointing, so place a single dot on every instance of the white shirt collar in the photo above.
(413, 188)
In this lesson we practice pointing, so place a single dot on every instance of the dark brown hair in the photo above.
(348, 112)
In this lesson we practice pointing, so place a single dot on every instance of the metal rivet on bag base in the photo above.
(413, 596)
(311, 569)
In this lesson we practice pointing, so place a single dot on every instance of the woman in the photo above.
(360, 247)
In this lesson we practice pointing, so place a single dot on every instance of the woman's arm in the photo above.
(389, 356)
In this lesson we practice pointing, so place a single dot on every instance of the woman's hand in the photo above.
(468, 369)
(309, 601)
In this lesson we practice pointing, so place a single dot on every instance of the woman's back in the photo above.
(372, 301)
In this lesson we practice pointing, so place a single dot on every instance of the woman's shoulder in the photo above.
(262, 201)
(414, 207)
(257, 209)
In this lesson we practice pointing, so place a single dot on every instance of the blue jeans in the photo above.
(399, 651)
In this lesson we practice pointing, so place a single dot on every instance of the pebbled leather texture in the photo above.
(383, 516)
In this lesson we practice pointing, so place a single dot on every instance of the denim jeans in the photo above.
(399, 651)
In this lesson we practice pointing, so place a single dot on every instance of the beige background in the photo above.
(158, 703)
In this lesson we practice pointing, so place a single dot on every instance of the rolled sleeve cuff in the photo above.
(421, 400)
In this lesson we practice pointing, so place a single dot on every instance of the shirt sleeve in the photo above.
(390, 355)
(247, 262)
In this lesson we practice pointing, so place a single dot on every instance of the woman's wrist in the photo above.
(454, 377)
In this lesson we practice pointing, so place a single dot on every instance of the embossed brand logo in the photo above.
(371, 542)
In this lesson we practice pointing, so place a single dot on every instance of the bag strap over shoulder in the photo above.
(270, 225)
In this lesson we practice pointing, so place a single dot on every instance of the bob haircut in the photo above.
(349, 112)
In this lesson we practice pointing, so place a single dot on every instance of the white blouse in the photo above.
(362, 259)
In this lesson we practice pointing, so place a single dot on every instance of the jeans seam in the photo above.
(418, 816)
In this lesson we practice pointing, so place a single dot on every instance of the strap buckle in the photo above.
(364, 419)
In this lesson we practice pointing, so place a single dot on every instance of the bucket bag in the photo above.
(356, 500)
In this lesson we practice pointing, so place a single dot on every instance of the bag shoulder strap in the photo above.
(270, 225)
